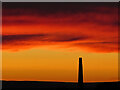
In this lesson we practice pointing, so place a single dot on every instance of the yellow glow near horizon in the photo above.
(56, 65)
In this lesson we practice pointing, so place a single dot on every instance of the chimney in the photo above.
(80, 73)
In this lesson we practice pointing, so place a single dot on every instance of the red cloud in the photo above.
(93, 28)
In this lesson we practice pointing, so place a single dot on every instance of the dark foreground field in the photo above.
(35, 85)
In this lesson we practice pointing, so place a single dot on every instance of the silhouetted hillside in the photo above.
(36, 84)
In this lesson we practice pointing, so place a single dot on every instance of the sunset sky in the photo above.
(43, 41)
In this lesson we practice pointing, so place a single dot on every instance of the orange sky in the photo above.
(43, 41)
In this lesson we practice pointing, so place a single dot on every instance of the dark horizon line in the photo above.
(59, 82)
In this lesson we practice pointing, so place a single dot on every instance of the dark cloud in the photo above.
(7, 39)
(52, 8)
(59, 13)
(15, 38)
(66, 20)
(19, 22)
(56, 9)
(91, 43)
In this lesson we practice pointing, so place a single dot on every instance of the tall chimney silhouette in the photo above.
(80, 73)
